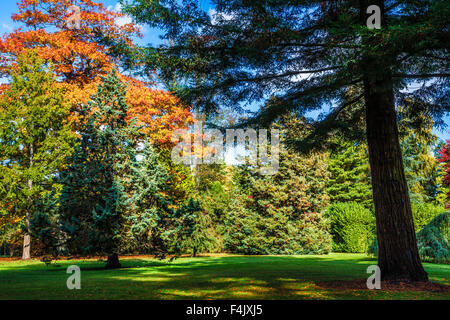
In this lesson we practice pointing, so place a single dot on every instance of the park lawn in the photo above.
(210, 277)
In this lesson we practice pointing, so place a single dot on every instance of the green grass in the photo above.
(216, 277)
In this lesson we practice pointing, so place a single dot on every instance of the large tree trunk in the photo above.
(398, 257)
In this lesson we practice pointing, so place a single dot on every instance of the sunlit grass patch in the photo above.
(209, 277)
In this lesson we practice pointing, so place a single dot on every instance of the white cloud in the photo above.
(126, 19)
(214, 15)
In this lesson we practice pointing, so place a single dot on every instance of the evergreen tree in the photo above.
(308, 54)
(196, 233)
(93, 196)
(280, 213)
(149, 185)
(417, 142)
(156, 221)
(349, 175)
(35, 139)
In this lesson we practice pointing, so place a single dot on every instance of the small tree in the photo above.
(35, 138)
(199, 236)
(155, 217)
(280, 213)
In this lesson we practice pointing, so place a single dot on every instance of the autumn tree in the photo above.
(35, 138)
(308, 54)
(417, 142)
(444, 159)
(82, 53)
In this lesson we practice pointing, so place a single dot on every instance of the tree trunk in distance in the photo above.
(113, 262)
(398, 256)
(26, 253)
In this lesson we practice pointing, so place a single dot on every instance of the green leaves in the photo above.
(35, 135)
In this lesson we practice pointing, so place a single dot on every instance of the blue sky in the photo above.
(150, 36)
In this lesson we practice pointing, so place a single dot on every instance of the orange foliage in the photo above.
(157, 111)
(81, 55)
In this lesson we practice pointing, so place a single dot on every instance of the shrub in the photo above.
(433, 240)
(352, 226)
(423, 213)
(250, 232)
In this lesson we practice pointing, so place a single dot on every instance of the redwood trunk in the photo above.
(398, 256)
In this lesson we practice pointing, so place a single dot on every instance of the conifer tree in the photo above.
(280, 213)
(93, 196)
(156, 216)
(349, 175)
(35, 138)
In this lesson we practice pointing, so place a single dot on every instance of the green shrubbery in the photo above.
(251, 233)
(280, 213)
(434, 239)
(423, 213)
(352, 226)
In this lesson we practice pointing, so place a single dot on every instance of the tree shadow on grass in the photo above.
(230, 277)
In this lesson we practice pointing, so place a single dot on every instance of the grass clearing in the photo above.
(209, 277)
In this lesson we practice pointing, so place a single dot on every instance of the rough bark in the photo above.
(113, 262)
(398, 256)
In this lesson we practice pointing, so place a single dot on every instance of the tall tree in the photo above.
(35, 138)
(83, 52)
(308, 54)
(93, 196)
